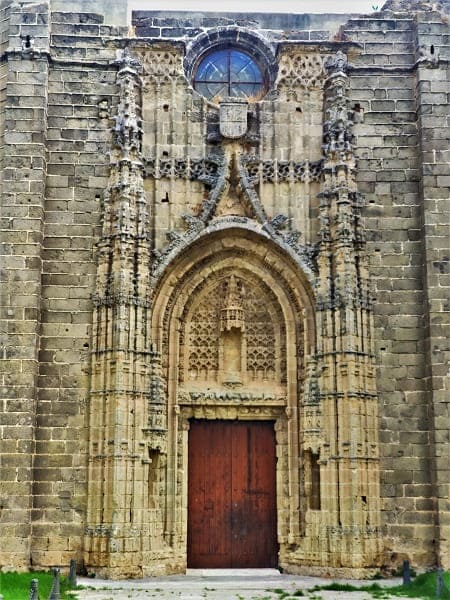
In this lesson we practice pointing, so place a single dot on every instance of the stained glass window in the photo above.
(229, 72)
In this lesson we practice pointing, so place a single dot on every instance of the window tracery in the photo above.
(229, 72)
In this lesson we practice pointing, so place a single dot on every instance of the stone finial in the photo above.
(128, 61)
(232, 313)
(127, 129)
(279, 222)
(338, 121)
(337, 63)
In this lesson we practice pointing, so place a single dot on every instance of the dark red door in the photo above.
(232, 497)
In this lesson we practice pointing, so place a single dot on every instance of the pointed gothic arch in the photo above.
(239, 275)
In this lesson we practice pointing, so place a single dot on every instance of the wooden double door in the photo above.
(232, 514)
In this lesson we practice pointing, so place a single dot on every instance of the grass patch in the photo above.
(16, 586)
(281, 593)
(336, 587)
(284, 595)
(423, 586)
(375, 590)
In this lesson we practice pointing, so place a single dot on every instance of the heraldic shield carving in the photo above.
(233, 118)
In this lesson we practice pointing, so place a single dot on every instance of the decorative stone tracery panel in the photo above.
(299, 70)
(203, 339)
(161, 64)
(258, 326)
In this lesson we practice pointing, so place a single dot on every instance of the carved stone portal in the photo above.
(233, 319)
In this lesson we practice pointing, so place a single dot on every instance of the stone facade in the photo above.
(168, 258)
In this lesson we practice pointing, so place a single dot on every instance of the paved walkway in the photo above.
(218, 584)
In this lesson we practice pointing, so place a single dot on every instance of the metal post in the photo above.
(73, 573)
(439, 582)
(34, 589)
(54, 594)
(406, 573)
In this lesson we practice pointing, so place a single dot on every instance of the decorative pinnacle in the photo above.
(127, 62)
(336, 64)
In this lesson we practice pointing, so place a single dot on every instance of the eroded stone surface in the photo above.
(162, 262)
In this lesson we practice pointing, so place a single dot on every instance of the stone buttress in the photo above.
(125, 436)
(345, 352)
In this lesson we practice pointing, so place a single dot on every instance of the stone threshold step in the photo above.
(231, 573)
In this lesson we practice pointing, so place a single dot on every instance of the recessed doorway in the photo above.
(232, 513)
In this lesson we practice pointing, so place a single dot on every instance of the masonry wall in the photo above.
(392, 167)
(57, 101)
(388, 175)
(59, 122)
(434, 123)
(81, 96)
(4, 39)
(24, 169)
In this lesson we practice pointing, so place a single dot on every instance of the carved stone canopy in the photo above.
(232, 313)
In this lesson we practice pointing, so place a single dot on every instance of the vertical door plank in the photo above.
(254, 496)
(209, 497)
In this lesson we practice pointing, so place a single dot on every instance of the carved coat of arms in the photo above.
(233, 118)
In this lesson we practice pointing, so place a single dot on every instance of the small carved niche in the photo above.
(232, 329)
(312, 479)
(153, 477)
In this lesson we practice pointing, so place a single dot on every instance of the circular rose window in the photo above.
(229, 73)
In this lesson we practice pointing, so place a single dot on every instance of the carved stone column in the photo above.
(122, 428)
(349, 458)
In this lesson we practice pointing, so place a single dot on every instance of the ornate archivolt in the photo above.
(228, 252)
(232, 320)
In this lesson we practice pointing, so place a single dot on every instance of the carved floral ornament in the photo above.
(231, 398)
(243, 411)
